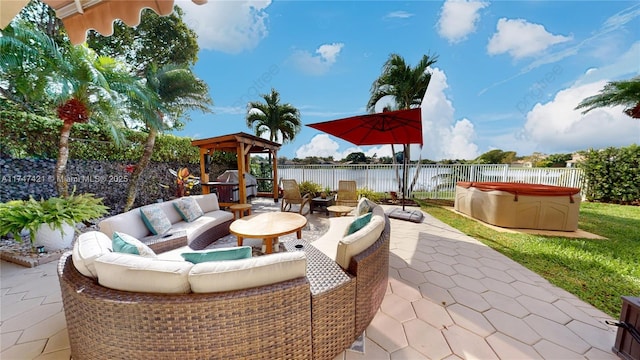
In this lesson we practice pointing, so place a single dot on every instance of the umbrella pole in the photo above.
(404, 174)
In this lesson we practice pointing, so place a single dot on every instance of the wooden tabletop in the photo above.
(340, 209)
(271, 224)
(240, 206)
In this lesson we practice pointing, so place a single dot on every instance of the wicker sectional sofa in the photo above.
(315, 313)
(200, 233)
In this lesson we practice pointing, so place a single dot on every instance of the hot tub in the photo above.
(523, 206)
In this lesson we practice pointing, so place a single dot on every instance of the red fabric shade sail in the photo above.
(390, 127)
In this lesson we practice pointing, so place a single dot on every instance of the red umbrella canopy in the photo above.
(388, 127)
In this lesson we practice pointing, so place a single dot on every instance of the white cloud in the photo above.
(227, 26)
(522, 39)
(557, 127)
(459, 18)
(318, 63)
(398, 15)
(443, 136)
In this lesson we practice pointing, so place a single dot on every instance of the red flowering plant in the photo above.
(184, 181)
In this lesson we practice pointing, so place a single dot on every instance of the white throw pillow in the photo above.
(125, 243)
(88, 247)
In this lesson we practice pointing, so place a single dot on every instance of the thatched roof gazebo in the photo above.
(243, 145)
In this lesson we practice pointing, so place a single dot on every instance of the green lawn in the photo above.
(597, 271)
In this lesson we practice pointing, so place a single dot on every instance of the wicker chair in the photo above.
(291, 196)
(347, 193)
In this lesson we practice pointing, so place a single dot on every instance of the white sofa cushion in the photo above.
(359, 241)
(88, 247)
(341, 248)
(129, 272)
(195, 228)
(328, 242)
(207, 202)
(247, 273)
(130, 221)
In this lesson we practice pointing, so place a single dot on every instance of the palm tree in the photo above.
(626, 93)
(178, 90)
(406, 85)
(281, 121)
(79, 84)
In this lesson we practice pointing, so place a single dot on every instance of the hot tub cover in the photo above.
(520, 188)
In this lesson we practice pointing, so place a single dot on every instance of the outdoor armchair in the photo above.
(347, 193)
(291, 196)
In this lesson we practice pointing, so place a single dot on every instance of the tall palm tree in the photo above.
(281, 121)
(178, 90)
(626, 93)
(81, 85)
(406, 85)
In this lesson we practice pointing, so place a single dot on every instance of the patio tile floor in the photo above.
(449, 297)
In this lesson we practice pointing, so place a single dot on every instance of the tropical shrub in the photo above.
(370, 194)
(310, 187)
(613, 174)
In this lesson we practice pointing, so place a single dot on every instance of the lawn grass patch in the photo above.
(596, 271)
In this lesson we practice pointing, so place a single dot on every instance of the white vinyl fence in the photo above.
(432, 181)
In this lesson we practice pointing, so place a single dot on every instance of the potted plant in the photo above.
(51, 222)
(326, 192)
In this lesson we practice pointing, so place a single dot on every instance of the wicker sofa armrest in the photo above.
(371, 269)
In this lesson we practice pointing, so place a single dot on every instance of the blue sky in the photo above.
(508, 75)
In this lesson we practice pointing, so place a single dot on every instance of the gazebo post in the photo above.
(204, 176)
(275, 175)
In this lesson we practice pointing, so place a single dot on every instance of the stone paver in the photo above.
(449, 297)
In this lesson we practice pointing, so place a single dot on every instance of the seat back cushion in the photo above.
(88, 247)
(207, 202)
(247, 273)
(135, 273)
(130, 221)
(360, 240)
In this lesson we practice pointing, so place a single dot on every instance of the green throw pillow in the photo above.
(125, 243)
(188, 208)
(156, 220)
(234, 253)
(358, 223)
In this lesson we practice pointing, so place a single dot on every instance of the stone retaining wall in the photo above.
(21, 178)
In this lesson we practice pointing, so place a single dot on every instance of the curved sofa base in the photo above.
(209, 236)
(109, 324)
(371, 268)
(536, 207)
